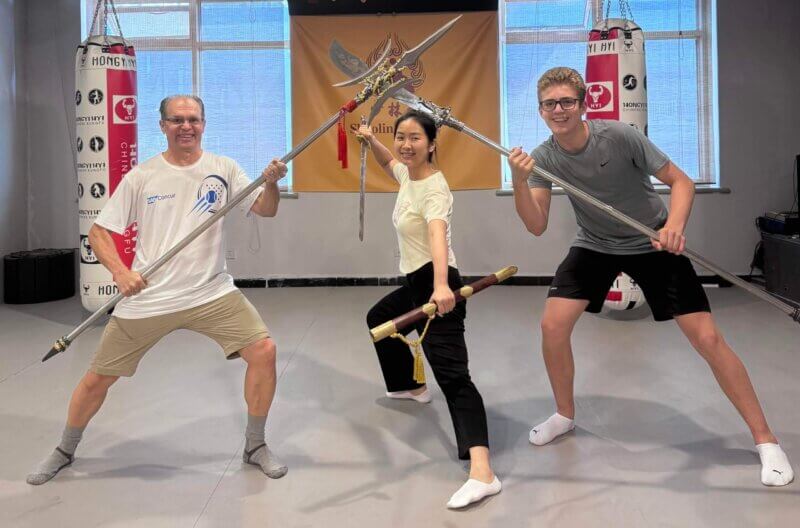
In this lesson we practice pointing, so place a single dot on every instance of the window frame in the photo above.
(194, 44)
(705, 47)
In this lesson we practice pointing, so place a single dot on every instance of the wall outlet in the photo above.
(230, 254)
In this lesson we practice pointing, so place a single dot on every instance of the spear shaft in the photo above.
(441, 116)
(376, 81)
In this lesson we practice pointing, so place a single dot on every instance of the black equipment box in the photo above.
(38, 276)
(779, 223)
(782, 265)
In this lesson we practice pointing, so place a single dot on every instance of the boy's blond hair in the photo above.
(562, 76)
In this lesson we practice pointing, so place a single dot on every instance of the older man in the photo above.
(170, 195)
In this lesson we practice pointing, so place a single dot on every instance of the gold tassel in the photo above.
(419, 366)
(416, 345)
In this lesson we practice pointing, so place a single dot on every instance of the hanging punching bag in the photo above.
(616, 88)
(616, 81)
(106, 122)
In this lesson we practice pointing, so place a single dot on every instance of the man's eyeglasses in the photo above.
(177, 121)
(567, 103)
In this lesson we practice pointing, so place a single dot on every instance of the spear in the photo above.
(442, 116)
(377, 80)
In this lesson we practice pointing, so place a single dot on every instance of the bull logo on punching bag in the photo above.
(125, 109)
(598, 96)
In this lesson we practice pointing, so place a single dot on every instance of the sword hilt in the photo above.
(361, 139)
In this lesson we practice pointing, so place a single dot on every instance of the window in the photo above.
(539, 34)
(234, 54)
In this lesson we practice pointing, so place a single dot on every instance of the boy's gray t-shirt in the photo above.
(615, 167)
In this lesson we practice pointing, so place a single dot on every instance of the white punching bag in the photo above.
(106, 117)
(616, 88)
(624, 294)
(616, 80)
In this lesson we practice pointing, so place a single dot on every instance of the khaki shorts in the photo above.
(231, 321)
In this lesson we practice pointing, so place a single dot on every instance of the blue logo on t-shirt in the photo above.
(211, 195)
(159, 197)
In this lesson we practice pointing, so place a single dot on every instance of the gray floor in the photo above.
(657, 444)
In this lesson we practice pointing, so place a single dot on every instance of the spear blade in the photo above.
(410, 57)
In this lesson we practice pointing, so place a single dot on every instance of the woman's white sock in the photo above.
(472, 491)
(422, 397)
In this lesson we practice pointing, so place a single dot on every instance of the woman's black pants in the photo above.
(445, 349)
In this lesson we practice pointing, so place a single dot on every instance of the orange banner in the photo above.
(460, 71)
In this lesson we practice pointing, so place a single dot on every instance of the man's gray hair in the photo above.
(168, 99)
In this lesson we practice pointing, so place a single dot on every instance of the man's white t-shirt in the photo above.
(418, 203)
(168, 202)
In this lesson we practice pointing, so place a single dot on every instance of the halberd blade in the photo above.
(366, 74)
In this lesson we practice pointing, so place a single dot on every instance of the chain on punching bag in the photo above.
(106, 122)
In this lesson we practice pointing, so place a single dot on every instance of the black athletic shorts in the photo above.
(668, 281)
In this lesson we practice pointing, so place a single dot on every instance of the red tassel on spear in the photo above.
(342, 132)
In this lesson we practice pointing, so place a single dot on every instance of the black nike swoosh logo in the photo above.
(603, 163)
(778, 472)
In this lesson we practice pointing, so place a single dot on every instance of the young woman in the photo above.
(422, 219)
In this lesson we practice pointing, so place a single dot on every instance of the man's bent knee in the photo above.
(262, 352)
(97, 383)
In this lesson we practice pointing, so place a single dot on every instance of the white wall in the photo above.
(13, 186)
(52, 36)
(759, 120)
(316, 235)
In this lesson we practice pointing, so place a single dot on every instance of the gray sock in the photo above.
(61, 457)
(255, 431)
(257, 452)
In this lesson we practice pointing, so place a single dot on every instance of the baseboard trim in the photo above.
(333, 281)
(530, 280)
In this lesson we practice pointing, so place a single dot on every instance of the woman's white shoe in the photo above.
(472, 491)
(422, 397)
